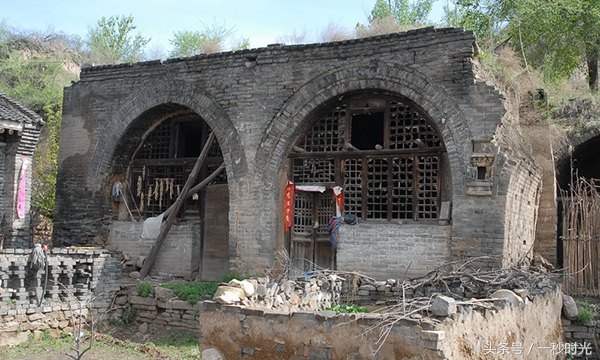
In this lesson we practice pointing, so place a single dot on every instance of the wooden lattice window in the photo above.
(163, 162)
(383, 151)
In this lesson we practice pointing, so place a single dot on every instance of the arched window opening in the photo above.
(382, 150)
(161, 165)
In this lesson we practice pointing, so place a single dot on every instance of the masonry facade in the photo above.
(19, 132)
(399, 123)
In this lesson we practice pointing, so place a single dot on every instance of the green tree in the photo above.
(209, 40)
(405, 12)
(558, 36)
(34, 69)
(111, 42)
(46, 164)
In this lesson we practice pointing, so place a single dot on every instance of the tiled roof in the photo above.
(13, 111)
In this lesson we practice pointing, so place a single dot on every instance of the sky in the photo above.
(261, 21)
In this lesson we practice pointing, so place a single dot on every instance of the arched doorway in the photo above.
(386, 156)
(157, 171)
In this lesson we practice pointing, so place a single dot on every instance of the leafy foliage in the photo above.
(587, 311)
(193, 292)
(211, 39)
(405, 12)
(34, 68)
(143, 289)
(558, 37)
(111, 42)
(346, 309)
(129, 316)
(584, 315)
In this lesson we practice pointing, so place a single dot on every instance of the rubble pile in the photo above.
(311, 292)
(455, 282)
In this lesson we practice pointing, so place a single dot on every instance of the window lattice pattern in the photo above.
(353, 186)
(327, 134)
(215, 150)
(158, 143)
(156, 187)
(407, 125)
(326, 211)
(428, 187)
(307, 171)
(377, 188)
(402, 187)
(303, 213)
(379, 184)
(221, 178)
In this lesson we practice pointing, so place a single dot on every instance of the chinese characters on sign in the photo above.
(288, 205)
(517, 348)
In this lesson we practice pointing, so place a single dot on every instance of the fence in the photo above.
(581, 238)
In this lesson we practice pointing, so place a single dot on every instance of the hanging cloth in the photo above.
(22, 188)
(334, 229)
(117, 191)
(151, 227)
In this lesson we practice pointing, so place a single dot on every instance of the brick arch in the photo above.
(301, 108)
(587, 141)
(574, 141)
(189, 96)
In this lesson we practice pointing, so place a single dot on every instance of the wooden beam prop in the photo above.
(176, 206)
(200, 186)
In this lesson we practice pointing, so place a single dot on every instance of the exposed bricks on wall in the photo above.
(258, 102)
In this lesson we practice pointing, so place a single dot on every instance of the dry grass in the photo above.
(386, 25)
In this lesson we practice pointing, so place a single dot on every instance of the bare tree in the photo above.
(335, 32)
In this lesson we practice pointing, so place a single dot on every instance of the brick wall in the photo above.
(383, 249)
(258, 102)
(177, 254)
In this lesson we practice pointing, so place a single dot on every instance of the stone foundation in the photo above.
(238, 332)
(29, 303)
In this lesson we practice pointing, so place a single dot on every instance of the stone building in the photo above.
(399, 123)
(19, 133)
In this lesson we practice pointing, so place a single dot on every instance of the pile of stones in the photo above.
(311, 292)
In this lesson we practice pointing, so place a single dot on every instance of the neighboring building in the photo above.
(399, 122)
(19, 133)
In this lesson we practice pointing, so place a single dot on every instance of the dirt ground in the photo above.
(113, 344)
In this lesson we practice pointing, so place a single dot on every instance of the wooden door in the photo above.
(311, 243)
(215, 244)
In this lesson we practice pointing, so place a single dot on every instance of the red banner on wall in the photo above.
(338, 195)
(288, 205)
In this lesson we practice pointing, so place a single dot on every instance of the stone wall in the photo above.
(237, 332)
(26, 307)
(584, 335)
(160, 309)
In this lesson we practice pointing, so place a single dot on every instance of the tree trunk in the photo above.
(592, 65)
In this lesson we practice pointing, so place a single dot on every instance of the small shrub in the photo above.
(346, 309)
(584, 315)
(233, 275)
(193, 292)
(143, 289)
(129, 316)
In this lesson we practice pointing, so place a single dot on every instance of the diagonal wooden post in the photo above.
(199, 187)
(176, 206)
